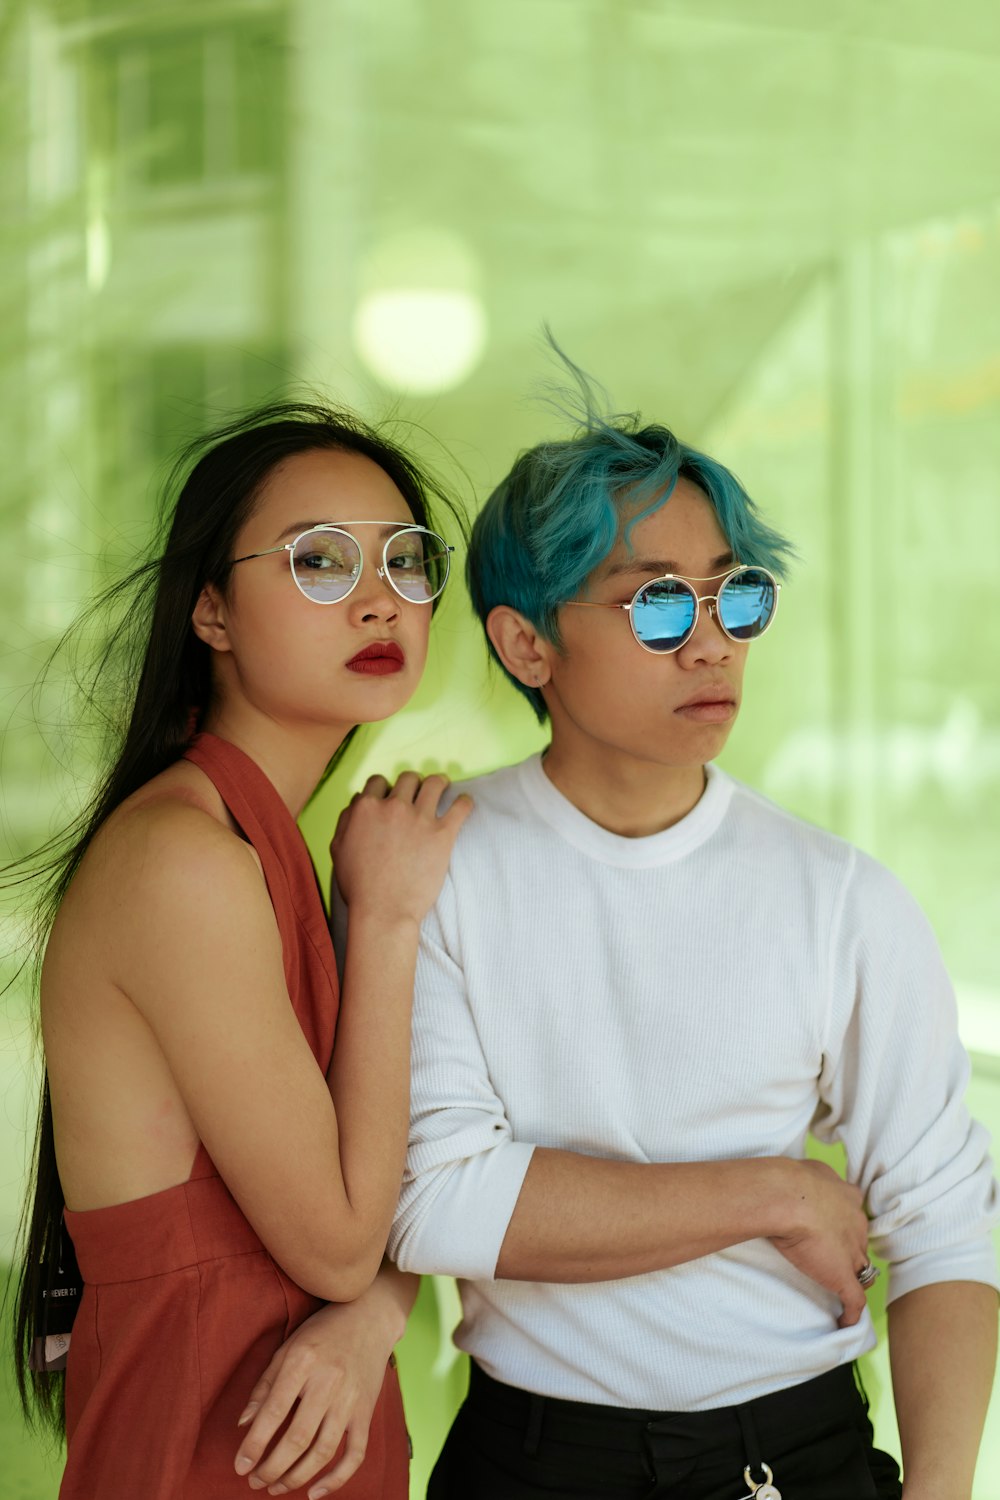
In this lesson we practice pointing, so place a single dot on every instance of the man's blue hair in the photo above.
(564, 505)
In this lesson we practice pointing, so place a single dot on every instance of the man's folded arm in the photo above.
(478, 1203)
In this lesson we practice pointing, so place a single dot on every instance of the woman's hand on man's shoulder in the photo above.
(392, 846)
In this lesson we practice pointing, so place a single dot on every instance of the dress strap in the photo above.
(271, 830)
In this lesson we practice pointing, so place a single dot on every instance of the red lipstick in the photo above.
(380, 659)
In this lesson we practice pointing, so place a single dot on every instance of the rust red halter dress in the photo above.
(182, 1306)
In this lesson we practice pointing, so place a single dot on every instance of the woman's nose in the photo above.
(374, 597)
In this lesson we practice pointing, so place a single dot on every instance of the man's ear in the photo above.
(521, 647)
(208, 618)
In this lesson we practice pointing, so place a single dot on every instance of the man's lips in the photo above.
(380, 659)
(709, 705)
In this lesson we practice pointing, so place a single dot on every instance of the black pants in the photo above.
(507, 1444)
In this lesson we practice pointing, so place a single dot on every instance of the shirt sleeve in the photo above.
(464, 1170)
(892, 1089)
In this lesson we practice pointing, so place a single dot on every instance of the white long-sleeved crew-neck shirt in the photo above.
(712, 991)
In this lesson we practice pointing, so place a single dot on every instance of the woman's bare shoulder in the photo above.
(162, 881)
(174, 829)
(182, 788)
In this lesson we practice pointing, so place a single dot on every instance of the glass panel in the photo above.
(786, 256)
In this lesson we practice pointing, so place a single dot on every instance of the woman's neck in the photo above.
(293, 758)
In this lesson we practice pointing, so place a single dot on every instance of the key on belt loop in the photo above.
(764, 1490)
(761, 1489)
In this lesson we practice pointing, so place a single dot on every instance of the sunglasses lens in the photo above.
(326, 565)
(417, 564)
(663, 614)
(746, 604)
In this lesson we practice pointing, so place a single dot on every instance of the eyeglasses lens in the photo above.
(746, 604)
(326, 565)
(663, 614)
(417, 564)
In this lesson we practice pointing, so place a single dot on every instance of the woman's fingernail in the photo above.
(244, 1465)
(317, 1494)
(278, 1489)
(257, 1484)
(249, 1412)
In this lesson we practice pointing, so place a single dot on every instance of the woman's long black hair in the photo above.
(160, 675)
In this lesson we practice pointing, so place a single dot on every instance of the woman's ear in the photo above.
(521, 647)
(208, 619)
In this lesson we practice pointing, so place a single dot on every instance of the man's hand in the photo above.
(830, 1241)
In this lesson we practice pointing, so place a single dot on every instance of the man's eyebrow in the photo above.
(657, 566)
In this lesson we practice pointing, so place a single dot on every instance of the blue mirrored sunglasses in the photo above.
(663, 613)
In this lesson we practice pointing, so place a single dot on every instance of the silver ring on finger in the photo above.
(868, 1275)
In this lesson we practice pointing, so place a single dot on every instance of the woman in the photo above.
(224, 1170)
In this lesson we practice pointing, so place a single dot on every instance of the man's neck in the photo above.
(633, 798)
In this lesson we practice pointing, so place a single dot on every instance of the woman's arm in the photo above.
(332, 1367)
(197, 951)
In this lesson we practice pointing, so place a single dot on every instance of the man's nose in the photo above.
(708, 641)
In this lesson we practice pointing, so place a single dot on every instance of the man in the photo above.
(641, 986)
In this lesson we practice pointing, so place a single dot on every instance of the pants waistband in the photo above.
(769, 1419)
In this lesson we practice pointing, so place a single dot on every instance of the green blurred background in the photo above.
(773, 225)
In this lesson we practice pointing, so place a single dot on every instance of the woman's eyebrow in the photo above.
(294, 529)
(297, 527)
